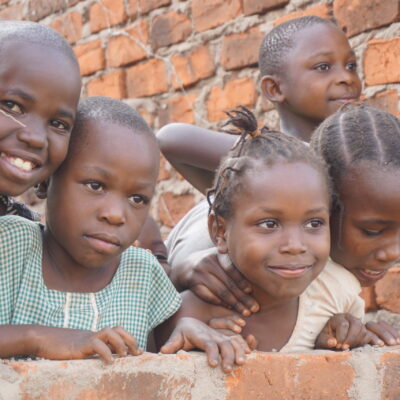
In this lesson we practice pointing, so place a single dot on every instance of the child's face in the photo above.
(366, 233)
(39, 93)
(99, 198)
(279, 234)
(320, 73)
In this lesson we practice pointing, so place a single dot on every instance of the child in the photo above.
(64, 286)
(270, 218)
(308, 70)
(37, 108)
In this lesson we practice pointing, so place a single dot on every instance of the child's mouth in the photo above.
(19, 163)
(103, 243)
(290, 272)
(371, 274)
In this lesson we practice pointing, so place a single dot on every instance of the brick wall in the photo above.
(189, 60)
(364, 374)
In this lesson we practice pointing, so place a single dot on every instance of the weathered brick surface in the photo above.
(381, 61)
(15, 11)
(69, 25)
(192, 67)
(111, 84)
(140, 79)
(172, 207)
(261, 6)
(241, 49)
(208, 14)
(106, 13)
(170, 28)
(355, 16)
(39, 9)
(388, 291)
(179, 109)
(128, 46)
(142, 7)
(389, 368)
(322, 10)
(240, 91)
(387, 100)
(164, 173)
(90, 56)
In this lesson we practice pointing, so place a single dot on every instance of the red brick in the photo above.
(192, 67)
(129, 47)
(15, 11)
(111, 85)
(239, 91)
(389, 369)
(173, 207)
(90, 56)
(170, 28)
(241, 49)
(388, 291)
(381, 61)
(208, 14)
(178, 109)
(69, 25)
(106, 13)
(355, 16)
(147, 79)
(290, 377)
(142, 7)
(368, 294)
(320, 10)
(261, 6)
(39, 9)
(387, 100)
(164, 172)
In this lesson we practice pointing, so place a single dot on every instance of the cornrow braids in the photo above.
(256, 148)
(281, 39)
(357, 133)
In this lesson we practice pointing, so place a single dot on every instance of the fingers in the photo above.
(252, 342)
(100, 348)
(340, 326)
(325, 340)
(174, 343)
(204, 293)
(232, 322)
(129, 340)
(119, 341)
(355, 333)
(385, 332)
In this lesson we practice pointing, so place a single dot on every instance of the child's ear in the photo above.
(271, 88)
(216, 228)
(41, 189)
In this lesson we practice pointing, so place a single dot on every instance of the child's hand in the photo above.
(343, 331)
(385, 332)
(191, 333)
(214, 283)
(230, 325)
(68, 344)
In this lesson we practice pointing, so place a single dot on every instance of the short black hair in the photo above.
(281, 39)
(35, 33)
(256, 148)
(357, 133)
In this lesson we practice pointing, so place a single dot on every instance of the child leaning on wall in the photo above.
(37, 108)
(77, 287)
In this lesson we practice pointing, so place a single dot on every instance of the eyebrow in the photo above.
(328, 53)
(375, 221)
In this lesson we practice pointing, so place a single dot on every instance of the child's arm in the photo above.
(216, 284)
(194, 152)
(65, 344)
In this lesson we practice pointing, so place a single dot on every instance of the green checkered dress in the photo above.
(139, 297)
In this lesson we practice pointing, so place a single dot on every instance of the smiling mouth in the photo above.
(19, 163)
(372, 274)
(290, 271)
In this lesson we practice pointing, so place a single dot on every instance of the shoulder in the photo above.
(17, 229)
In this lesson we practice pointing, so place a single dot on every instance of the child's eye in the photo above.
(371, 232)
(315, 223)
(269, 224)
(352, 66)
(12, 106)
(60, 125)
(95, 186)
(138, 200)
(322, 67)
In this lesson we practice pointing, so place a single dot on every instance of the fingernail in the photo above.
(237, 329)
(247, 290)
(380, 343)
(246, 313)
(345, 347)
(240, 359)
(243, 322)
(398, 340)
(392, 342)
(254, 308)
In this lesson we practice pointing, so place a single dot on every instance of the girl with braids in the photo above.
(269, 217)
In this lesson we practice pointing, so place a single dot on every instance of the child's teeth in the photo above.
(20, 163)
(372, 272)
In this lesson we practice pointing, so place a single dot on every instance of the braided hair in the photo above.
(255, 149)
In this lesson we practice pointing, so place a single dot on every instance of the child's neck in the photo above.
(296, 125)
(61, 272)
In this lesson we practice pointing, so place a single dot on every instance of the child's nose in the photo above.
(34, 135)
(112, 211)
(389, 253)
(345, 76)
(292, 243)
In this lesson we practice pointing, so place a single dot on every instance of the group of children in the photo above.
(278, 209)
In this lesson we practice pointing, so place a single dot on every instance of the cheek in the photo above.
(58, 148)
